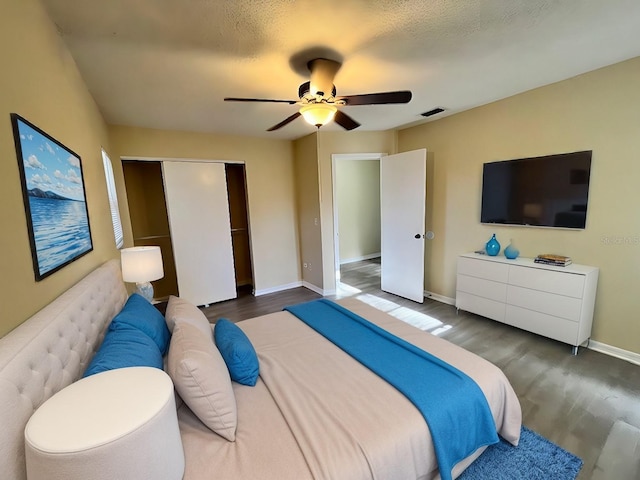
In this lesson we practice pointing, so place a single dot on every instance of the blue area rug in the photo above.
(535, 458)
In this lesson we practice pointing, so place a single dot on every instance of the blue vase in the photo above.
(511, 252)
(493, 246)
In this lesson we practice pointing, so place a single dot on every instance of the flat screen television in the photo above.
(550, 191)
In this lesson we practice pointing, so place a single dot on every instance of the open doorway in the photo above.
(356, 214)
(399, 231)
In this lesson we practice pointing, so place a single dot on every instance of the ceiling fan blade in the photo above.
(402, 96)
(284, 122)
(270, 100)
(345, 121)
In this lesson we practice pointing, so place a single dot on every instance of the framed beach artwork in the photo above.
(54, 198)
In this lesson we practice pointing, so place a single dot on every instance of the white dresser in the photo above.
(556, 302)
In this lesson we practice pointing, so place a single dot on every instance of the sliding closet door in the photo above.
(198, 210)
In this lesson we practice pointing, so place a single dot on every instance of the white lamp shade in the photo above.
(141, 264)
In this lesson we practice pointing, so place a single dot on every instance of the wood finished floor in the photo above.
(588, 404)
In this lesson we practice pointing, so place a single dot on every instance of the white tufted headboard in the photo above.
(48, 352)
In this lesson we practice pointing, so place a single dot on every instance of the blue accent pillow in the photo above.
(125, 347)
(140, 314)
(237, 352)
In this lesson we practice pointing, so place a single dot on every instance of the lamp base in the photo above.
(146, 290)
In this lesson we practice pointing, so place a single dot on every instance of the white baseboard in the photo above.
(289, 286)
(439, 298)
(614, 351)
(317, 289)
(279, 288)
(359, 259)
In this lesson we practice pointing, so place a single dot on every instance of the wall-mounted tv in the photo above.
(550, 191)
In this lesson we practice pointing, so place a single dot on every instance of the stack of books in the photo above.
(551, 259)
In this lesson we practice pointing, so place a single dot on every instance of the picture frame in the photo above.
(54, 198)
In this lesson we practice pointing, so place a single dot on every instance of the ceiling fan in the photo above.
(319, 103)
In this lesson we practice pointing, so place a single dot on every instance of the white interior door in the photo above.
(402, 209)
(198, 210)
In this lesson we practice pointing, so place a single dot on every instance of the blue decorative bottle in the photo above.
(493, 246)
(511, 252)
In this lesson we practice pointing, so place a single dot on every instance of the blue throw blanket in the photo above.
(452, 404)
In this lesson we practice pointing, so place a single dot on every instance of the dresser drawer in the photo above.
(481, 306)
(543, 324)
(482, 288)
(551, 301)
(561, 283)
(544, 302)
(498, 272)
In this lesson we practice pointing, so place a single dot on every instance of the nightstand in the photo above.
(116, 424)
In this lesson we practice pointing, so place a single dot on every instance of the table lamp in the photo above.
(142, 265)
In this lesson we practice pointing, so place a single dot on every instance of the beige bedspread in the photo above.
(317, 413)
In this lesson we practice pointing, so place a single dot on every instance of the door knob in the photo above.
(417, 235)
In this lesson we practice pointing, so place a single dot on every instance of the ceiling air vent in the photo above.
(432, 112)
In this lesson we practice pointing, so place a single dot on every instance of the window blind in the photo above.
(113, 200)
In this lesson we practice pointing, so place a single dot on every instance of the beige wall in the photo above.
(289, 183)
(596, 111)
(330, 143)
(41, 83)
(308, 207)
(358, 205)
(270, 189)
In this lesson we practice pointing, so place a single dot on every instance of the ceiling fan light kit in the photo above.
(318, 114)
(319, 103)
(323, 72)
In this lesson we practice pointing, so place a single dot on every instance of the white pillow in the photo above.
(202, 379)
(183, 310)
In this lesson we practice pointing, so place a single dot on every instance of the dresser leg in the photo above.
(574, 350)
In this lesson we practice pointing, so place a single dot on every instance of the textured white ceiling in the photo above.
(169, 63)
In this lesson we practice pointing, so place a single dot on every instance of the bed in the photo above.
(314, 413)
